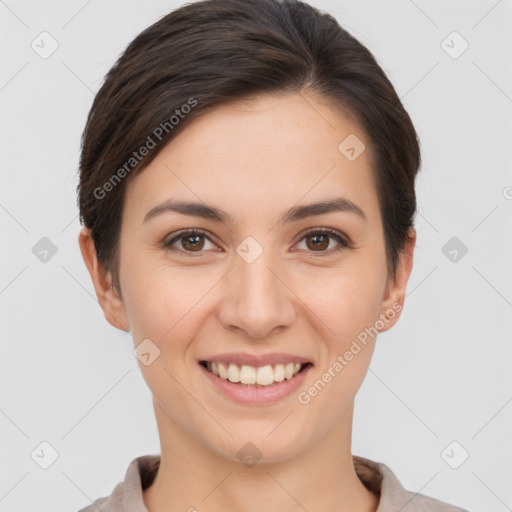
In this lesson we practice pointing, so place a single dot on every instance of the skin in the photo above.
(254, 160)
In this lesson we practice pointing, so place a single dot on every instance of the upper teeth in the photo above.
(263, 375)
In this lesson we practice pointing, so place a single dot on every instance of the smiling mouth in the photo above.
(251, 376)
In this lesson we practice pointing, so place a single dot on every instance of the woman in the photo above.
(247, 195)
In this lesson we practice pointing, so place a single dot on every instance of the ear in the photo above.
(394, 297)
(108, 298)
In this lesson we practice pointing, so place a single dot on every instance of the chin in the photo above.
(260, 444)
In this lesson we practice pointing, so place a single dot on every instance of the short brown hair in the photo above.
(212, 52)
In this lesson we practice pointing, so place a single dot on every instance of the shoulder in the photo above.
(111, 503)
(393, 496)
(127, 495)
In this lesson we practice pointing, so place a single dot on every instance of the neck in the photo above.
(322, 477)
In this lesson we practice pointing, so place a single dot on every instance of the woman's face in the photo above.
(256, 284)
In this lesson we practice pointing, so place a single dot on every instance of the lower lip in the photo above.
(257, 395)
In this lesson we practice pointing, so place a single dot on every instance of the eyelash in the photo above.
(343, 242)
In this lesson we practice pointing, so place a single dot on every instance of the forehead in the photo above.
(259, 154)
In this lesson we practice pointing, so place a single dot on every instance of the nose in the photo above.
(256, 300)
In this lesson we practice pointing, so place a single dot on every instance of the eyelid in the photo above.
(344, 241)
(168, 241)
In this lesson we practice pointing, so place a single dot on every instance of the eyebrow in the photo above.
(339, 204)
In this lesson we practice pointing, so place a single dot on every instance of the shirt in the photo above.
(377, 477)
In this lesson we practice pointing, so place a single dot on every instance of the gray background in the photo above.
(442, 374)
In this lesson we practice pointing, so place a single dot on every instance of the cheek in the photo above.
(161, 299)
(346, 300)
(163, 305)
(346, 308)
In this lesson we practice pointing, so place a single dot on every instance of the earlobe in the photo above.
(109, 300)
(393, 302)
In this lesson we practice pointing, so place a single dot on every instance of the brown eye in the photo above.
(319, 240)
(191, 241)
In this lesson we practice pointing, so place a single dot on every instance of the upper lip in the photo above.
(256, 360)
